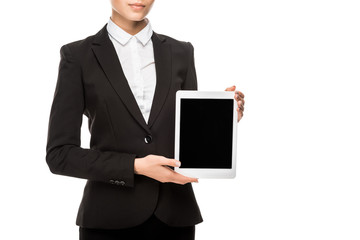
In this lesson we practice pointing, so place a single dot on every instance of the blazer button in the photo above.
(112, 181)
(148, 139)
(122, 183)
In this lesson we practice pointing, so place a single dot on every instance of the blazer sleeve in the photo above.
(64, 155)
(190, 82)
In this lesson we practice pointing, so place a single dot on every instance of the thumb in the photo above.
(232, 88)
(169, 162)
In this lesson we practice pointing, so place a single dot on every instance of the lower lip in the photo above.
(136, 7)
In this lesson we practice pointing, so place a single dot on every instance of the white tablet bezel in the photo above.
(204, 172)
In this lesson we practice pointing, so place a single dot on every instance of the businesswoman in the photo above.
(124, 79)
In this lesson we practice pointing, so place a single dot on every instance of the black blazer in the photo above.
(91, 82)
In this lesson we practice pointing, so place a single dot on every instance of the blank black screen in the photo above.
(206, 128)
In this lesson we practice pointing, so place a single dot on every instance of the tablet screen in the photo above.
(206, 128)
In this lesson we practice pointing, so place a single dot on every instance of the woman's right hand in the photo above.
(157, 167)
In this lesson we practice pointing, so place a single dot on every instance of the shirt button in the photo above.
(148, 139)
(122, 183)
(112, 181)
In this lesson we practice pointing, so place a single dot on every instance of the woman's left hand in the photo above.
(239, 97)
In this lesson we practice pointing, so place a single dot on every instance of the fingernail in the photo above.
(178, 163)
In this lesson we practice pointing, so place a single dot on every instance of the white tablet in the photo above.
(205, 133)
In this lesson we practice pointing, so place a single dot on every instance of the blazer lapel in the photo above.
(106, 55)
(162, 56)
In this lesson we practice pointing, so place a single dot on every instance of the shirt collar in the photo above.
(123, 37)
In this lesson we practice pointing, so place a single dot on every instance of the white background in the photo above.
(298, 154)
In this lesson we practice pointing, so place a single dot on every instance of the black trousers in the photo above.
(153, 228)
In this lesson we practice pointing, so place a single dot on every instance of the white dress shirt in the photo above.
(136, 56)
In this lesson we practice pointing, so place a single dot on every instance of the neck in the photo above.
(131, 27)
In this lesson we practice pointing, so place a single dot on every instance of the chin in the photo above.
(137, 17)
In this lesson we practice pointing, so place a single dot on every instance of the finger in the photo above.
(232, 88)
(181, 179)
(239, 98)
(241, 108)
(171, 176)
(240, 112)
(240, 115)
(240, 104)
(240, 94)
